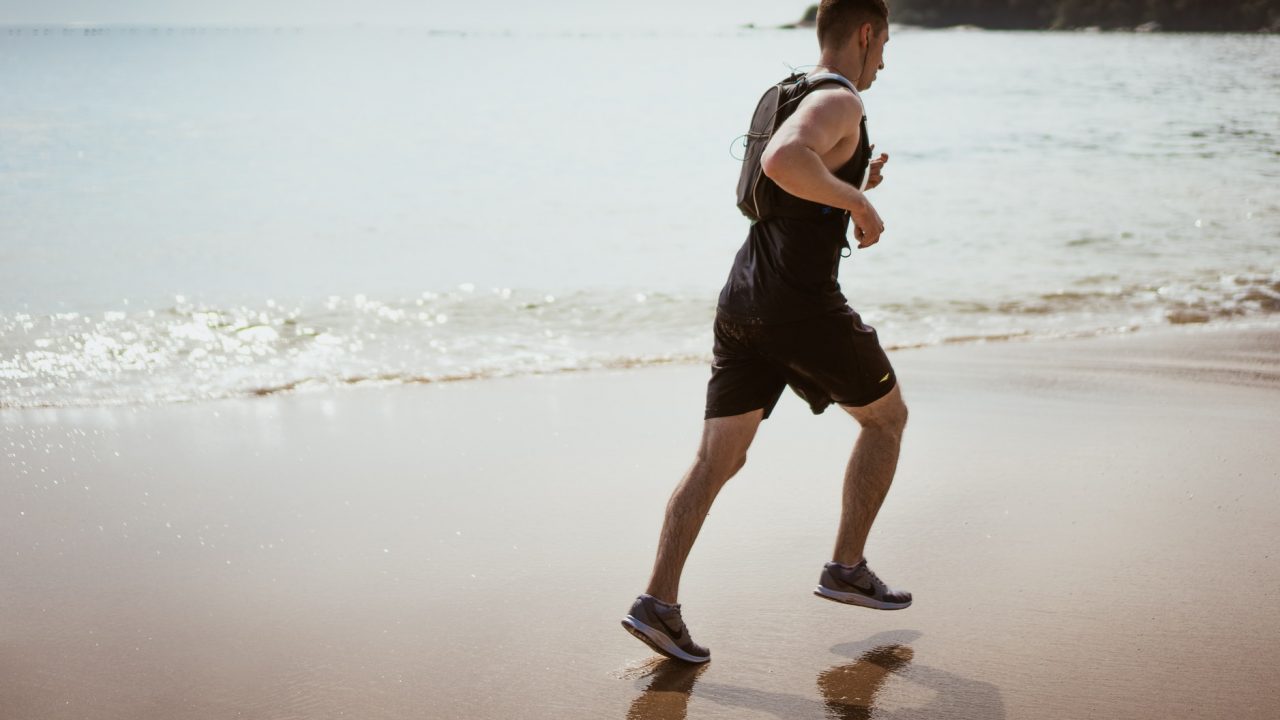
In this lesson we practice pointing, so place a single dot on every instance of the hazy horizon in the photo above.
(502, 14)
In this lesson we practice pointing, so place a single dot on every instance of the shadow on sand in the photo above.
(847, 691)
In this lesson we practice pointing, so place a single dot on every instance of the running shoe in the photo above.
(660, 626)
(859, 586)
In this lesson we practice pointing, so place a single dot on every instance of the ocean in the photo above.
(189, 214)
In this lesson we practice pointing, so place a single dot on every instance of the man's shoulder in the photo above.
(833, 97)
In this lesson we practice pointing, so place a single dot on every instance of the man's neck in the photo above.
(850, 69)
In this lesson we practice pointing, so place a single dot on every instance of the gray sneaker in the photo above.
(859, 586)
(660, 627)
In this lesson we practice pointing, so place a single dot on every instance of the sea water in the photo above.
(195, 213)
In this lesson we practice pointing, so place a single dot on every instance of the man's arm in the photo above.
(793, 157)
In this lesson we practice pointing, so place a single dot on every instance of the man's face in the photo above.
(874, 54)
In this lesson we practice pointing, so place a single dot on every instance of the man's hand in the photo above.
(877, 170)
(867, 223)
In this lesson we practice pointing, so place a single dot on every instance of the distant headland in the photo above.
(1136, 15)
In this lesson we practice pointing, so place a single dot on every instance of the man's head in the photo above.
(852, 34)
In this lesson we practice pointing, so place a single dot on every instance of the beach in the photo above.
(335, 384)
(1088, 527)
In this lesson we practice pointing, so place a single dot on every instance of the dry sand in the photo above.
(1089, 527)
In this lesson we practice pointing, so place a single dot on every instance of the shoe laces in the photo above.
(875, 580)
(863, 572)
(672, 619)
(676, 623)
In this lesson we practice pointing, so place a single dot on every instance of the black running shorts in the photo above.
(833, 358)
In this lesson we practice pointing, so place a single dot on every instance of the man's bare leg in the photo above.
(721, 453)
(870, 471)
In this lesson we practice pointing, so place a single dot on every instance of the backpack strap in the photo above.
(826, 77)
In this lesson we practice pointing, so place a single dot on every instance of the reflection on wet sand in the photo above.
(850, 690)
(667, 696)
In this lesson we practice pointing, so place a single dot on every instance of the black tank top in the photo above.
(786, 270)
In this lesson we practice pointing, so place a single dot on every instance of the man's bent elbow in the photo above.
(773, 162)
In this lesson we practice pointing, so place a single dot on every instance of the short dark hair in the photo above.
(838, 20)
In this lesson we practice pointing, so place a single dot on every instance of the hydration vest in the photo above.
(757, 193)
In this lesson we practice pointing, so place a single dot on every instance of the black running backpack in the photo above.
(757, 194)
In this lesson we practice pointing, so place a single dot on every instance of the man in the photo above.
(781, 320)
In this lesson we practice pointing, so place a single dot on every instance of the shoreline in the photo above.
(309, 386)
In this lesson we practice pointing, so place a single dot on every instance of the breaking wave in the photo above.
(191, 351)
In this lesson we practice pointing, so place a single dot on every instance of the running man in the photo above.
(782, 321)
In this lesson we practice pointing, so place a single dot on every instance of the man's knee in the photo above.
(723, 450)
(901, 419)
(894, 424)
(720, 466)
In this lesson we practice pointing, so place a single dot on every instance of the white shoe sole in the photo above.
(858, 599)
(659, 641)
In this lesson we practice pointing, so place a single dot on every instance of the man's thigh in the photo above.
(725, 440)
(742, 379)
(835, 359)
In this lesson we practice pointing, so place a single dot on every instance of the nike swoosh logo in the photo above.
(886, 376)
(871, 591)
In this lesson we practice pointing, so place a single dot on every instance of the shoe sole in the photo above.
(658, 641)
(858, 599)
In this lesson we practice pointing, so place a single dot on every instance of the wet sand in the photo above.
(1089, 528)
